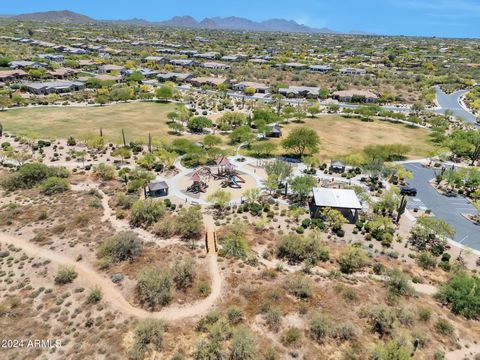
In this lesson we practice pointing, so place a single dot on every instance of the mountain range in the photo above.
(220, 23)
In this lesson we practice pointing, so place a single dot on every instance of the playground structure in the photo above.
(225, 172)
(200, 178)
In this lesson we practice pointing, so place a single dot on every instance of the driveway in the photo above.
(452, 102)
(449, 209)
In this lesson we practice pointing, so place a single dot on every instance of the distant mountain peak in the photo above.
(65, 16)
(223, 23)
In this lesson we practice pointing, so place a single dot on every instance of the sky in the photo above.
(443, 18)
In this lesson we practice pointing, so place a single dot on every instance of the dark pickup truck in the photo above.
(409, 191)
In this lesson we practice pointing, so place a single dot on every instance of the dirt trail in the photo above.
(465, 353)
(118, 224)
(112, 295)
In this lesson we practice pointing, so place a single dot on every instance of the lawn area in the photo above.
(137, 119)
(341, 136)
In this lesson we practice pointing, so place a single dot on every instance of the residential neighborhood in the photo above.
(242, 181)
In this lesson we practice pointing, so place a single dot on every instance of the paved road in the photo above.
(452, 102)
(446, 208)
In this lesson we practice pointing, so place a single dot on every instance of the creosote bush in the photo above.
(121, 247)
(149, 333)
(65, 274)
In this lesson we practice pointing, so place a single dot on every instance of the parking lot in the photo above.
(449, 209)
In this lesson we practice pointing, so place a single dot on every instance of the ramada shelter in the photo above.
(157, 189)
(343, 200)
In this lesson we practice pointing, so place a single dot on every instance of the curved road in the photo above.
(452, 102)
(449, 209)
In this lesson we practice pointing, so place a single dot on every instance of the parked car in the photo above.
(409, 191)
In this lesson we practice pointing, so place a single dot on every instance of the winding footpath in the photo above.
(111, 293)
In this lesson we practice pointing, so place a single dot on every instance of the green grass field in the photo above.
(339, 136)
(137, 120)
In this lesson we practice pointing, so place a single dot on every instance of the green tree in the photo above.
(220, 198)
(263, 148)
(303, 185)
(231, 120)
(164, 93)
(301, 140)
(431, 234)
(136, 76)
(242, 134)
(199, 123)
(121, 94)
(212, 140)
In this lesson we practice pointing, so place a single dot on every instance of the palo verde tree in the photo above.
(301, 140)
(465, 143)
(431, 234)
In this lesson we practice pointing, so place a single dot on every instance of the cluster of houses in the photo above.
(65, 79)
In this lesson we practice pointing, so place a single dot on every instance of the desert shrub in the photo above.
(147, 211)
(211, 318)
(166, 227)
(243, 345)
(30, 175)
(462, 293)
(204, 288)
(391, 350)
(398, 284)
(299, 286)
(444, 327)
(105, 171)
(234, 315)
(424, 314)
(65, 274)
(121, 247)
(381, 319)
(125, 201)
(183, 272)
(95, 295)
(235, 245)
(319, 327)
(273, 318)
(210, 349)
(154, 287)
(54, 185)
(353, 259)
(346, 331)
(189, 223)
(148, 333)
(297, 248)
(426, 260)
(291, 336)
(405, 316)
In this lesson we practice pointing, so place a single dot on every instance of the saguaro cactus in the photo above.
(401, 208)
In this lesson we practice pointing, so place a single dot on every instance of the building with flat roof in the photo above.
(343, 200)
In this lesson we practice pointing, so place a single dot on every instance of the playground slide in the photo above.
(240, 179)
(234, 182)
